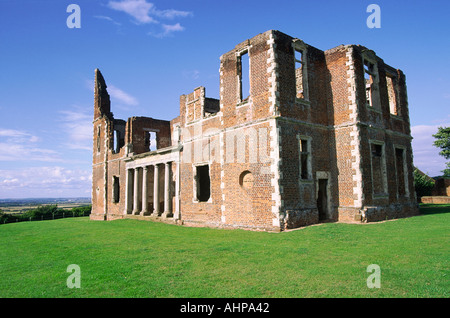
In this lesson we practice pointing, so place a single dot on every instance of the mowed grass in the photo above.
(129, 258)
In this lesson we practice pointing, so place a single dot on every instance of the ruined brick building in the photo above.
(298, 136)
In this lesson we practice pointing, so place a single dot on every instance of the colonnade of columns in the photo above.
(137, 190)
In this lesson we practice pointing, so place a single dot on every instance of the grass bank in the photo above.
(129, 258)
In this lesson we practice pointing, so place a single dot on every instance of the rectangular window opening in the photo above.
(399, 162)
(378, 169)
(304, 159)
(116, 138)
(369, 82)
(376, 150)
(203, 183)
(392, 95)
(116, 189)
(150, 140)
(299, 73)
(98, 138)
(244, 76)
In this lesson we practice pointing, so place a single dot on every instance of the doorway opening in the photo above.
(322, 199)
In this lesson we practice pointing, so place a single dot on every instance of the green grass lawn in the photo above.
(129, 258)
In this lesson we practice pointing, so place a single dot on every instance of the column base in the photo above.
(144, 213)
(167, 214)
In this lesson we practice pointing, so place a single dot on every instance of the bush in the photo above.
(82, 210)
(42, 212)
(423, 184)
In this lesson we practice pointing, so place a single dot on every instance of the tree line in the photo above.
(45, 212)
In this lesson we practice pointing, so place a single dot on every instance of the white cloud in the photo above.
(115, 93)
(138, 9)
(167, 30)
(145, 12)
(17, 135)
(18, 145)
(122, 96)
(171, 14)
(77, 126)
(426, 156)
(195, 74)
(102, 17)
(45, 181)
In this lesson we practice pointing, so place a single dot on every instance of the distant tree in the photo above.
(423, 184)
(443, 141)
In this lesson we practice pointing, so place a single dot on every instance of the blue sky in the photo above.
(150, 52)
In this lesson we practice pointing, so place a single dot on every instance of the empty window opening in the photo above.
(116, 190)
(98, 138)
(378, 169)
(203, 183)
(370, 80)
(244, 76)
(305, 157)
(116, 146)
(400, 168)
(377, 150)
(299, 73)
(150, 140)
(392, 94)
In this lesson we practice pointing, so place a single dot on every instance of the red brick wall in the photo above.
(335, 118)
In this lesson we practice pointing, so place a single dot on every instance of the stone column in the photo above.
(136, 191)
(177, 192)
(156, 191)
(167, 197)
(129, 192)
(144, 210)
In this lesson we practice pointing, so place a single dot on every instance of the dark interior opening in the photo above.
(322, 200)
(203, 183)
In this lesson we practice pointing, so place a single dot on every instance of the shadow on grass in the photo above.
(434, 208)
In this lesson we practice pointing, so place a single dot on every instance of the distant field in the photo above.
(20, 206)
(130, 258)
(21, 209)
